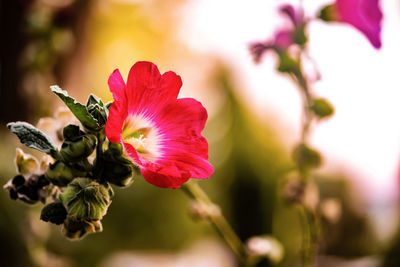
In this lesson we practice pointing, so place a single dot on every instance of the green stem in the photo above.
(194, 191)
(309, 219)
(98, 168)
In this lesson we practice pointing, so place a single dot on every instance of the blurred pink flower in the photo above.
(295, 16)
(364, 15)
(281, 41)
(284, 37)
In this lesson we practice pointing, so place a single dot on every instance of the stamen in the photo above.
(142, 135)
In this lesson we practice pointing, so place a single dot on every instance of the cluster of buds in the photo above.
(30, 184)
(74, 178)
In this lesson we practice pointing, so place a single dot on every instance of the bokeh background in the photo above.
(254, 121)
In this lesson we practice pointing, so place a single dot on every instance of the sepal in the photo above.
(74, 229)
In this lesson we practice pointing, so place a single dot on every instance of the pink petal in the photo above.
(167, 180)
(117, 86)
(184, 151)
(283, 39)
(118, 109)
(364, 15)
(116, 118)
(294, 15)
(148, 91)
(181, 124)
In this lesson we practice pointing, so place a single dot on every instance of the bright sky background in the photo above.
(363, 137)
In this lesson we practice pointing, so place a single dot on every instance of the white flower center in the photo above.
(142, 135)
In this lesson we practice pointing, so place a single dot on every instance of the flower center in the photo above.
(142, 135)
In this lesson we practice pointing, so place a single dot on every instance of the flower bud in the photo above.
(60, 174)
(77, 229)
(86, 200)
(118, 170)
(306, 157)
(97, 110)
(328, 13)
(77, 145)
(54, 212)
(322, 108)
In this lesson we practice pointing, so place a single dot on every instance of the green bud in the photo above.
(86, 200)
(328, 13)
(117, 173)
(287, 64)
(322, 108)
(306, 157)
(60, 174)
(77, 145)
(97, 109)
(300, 36)
(54, 212)
(117, 169)
(77, 229)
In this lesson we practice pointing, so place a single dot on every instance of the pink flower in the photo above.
(364, 15)
(284, 37)
(160, 133)
(295, 16)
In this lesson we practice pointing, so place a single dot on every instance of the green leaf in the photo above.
(32, 137)
(80, 111)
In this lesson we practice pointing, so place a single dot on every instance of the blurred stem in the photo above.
(307, 101)
(310, 227)
(194, 191)
(309, 218)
